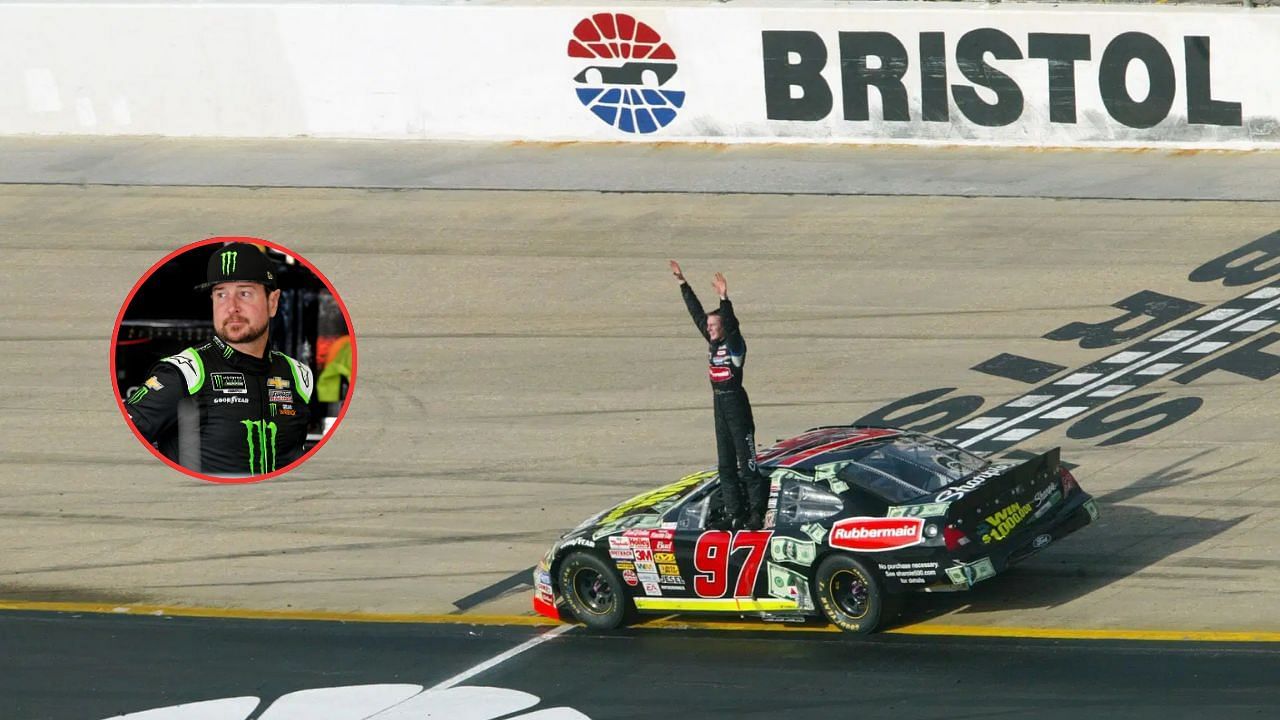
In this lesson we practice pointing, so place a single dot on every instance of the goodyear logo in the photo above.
(624, 82)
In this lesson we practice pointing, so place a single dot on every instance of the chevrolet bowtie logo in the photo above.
(276, 383)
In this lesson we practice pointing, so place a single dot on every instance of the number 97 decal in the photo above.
(711, 560)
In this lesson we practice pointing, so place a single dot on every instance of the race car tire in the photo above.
(852, 596)
(594, 592)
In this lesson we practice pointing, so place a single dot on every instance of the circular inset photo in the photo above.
(233, 359)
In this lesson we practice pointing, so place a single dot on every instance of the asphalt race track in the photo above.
(632, 674)
(524, 361)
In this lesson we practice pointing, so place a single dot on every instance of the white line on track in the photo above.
(503, 657)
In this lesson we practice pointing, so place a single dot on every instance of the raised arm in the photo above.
(691, 301)
(729, 320)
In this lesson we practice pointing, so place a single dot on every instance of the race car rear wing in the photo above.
(990, 505)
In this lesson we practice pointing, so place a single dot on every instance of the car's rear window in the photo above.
(907, 467)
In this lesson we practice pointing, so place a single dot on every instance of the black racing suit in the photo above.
(215, 410)
(735, 427)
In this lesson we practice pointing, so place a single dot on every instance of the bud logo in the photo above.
(869, 534)
(623, 87)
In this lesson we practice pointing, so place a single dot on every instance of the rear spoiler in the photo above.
(997, 487)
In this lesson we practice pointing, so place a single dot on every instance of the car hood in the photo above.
(643, 509)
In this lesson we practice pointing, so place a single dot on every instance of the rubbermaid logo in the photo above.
(624, 85)
(869, 534)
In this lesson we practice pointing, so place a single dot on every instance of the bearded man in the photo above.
(230, 407)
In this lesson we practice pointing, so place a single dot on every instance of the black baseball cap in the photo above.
(239, 262)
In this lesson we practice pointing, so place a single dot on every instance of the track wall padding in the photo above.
(887, 72)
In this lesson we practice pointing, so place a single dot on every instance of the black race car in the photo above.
(857, 516)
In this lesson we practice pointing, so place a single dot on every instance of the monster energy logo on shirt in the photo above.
(229, 262)
(256, 431)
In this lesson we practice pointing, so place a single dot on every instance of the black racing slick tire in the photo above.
(594, 591)
(852, 596)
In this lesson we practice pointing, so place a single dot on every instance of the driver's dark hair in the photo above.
(715, 312)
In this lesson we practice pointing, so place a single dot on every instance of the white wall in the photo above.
(502, 72)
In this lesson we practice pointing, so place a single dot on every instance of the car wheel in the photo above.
(852, 595)
(594, 591)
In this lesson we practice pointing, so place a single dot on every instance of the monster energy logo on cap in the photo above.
(238, 262)
(262, 452)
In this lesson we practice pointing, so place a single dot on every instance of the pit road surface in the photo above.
(77, 668)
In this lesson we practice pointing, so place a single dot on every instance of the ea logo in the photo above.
(624, 82)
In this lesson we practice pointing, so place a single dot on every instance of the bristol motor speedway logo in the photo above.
(629, 65)
(869, 534)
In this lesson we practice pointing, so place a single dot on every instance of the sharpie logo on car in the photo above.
(956, 492)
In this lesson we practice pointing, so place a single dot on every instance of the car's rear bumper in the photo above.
(1080, 510)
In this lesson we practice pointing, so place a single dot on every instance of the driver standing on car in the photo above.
(735, 427)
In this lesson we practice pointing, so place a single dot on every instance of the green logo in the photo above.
(228, 382)
(229, 262)
(137, 395)
(255, 436)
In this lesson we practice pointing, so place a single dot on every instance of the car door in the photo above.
(725, 567)
(699, 569)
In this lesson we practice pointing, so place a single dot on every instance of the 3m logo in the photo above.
(624, 85)
(229, 262)
(868, 534)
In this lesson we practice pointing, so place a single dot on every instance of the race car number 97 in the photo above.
(711, 559)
